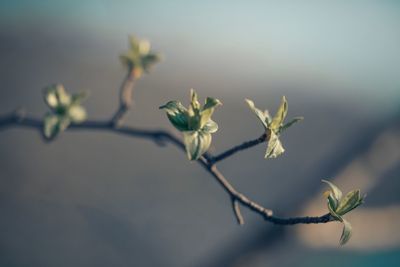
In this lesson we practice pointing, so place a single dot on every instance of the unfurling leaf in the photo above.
(274, 148)
(263, 116)
(337, 193)
(332, 204)
(210, 127)
(211, 103)
(290, 123)
(54, 124)
(77, 113)
(196, 143)
(346, 233)
(56, 97)
(208, 110)
(65, 109)
(339, 206)
(351, 201)
(277, 120)
(177, 115)
(273, 126)
(195, 123)
(149, 61)
(50, 125)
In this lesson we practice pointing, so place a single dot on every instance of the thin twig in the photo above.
(236, 211)
(207, 162)
(125, 99)
(238, 148)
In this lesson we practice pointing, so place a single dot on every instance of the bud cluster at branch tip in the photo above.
(194, 122)
(64, 110)
(339, 206)
(273, 126)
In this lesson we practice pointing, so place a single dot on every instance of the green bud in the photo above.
(337, 193)
(277, 120)
(195, 123)
(139, 58)
(273, 126)
(177, 115)
(55, 96)
(65, 109)
(351, 201)
(274, 148)
(346, 233)
(339, 206)
(54, 124)
(196, 143)
(77, 113)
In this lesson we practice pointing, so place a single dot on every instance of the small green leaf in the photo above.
(64, 110)
(210, 127)
(290, 123)
(273, 127)
(50, 125)
(196, 143)
(55, 96)
(337, 193)
(332, 201)
(208, 110)
(51, 99)
(339, 206)
(194, 112)
(263, 116)
(149, 61)
(144, 47)
(174, 107)
(77, 114)
(134, 44)
(54, 124)
(211, 103)
(346, 233)
(274, 148)
(139, 57)
(280, 115)
(194, 101)
(351, 201)
(177, 115)
(194, 120)
(195, 123)
(331, 208)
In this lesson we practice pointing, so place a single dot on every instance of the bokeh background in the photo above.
(99, 199)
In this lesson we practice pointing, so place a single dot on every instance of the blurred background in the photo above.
(100, 199)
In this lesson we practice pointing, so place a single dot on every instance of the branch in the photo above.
(207, 161)
(125, 99)
(238, 148)
(237, 212)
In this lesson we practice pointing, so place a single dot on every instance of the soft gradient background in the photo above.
(98, 199)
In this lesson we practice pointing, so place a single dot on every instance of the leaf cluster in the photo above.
(64, 110)
(194, 122)
(274, 126)
(339, 206)
(139, 58)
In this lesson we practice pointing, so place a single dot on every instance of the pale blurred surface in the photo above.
(98, 199)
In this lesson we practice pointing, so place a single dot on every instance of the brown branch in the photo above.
(238, 148)
(125, 99)
(207, 161)
(237, 212)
